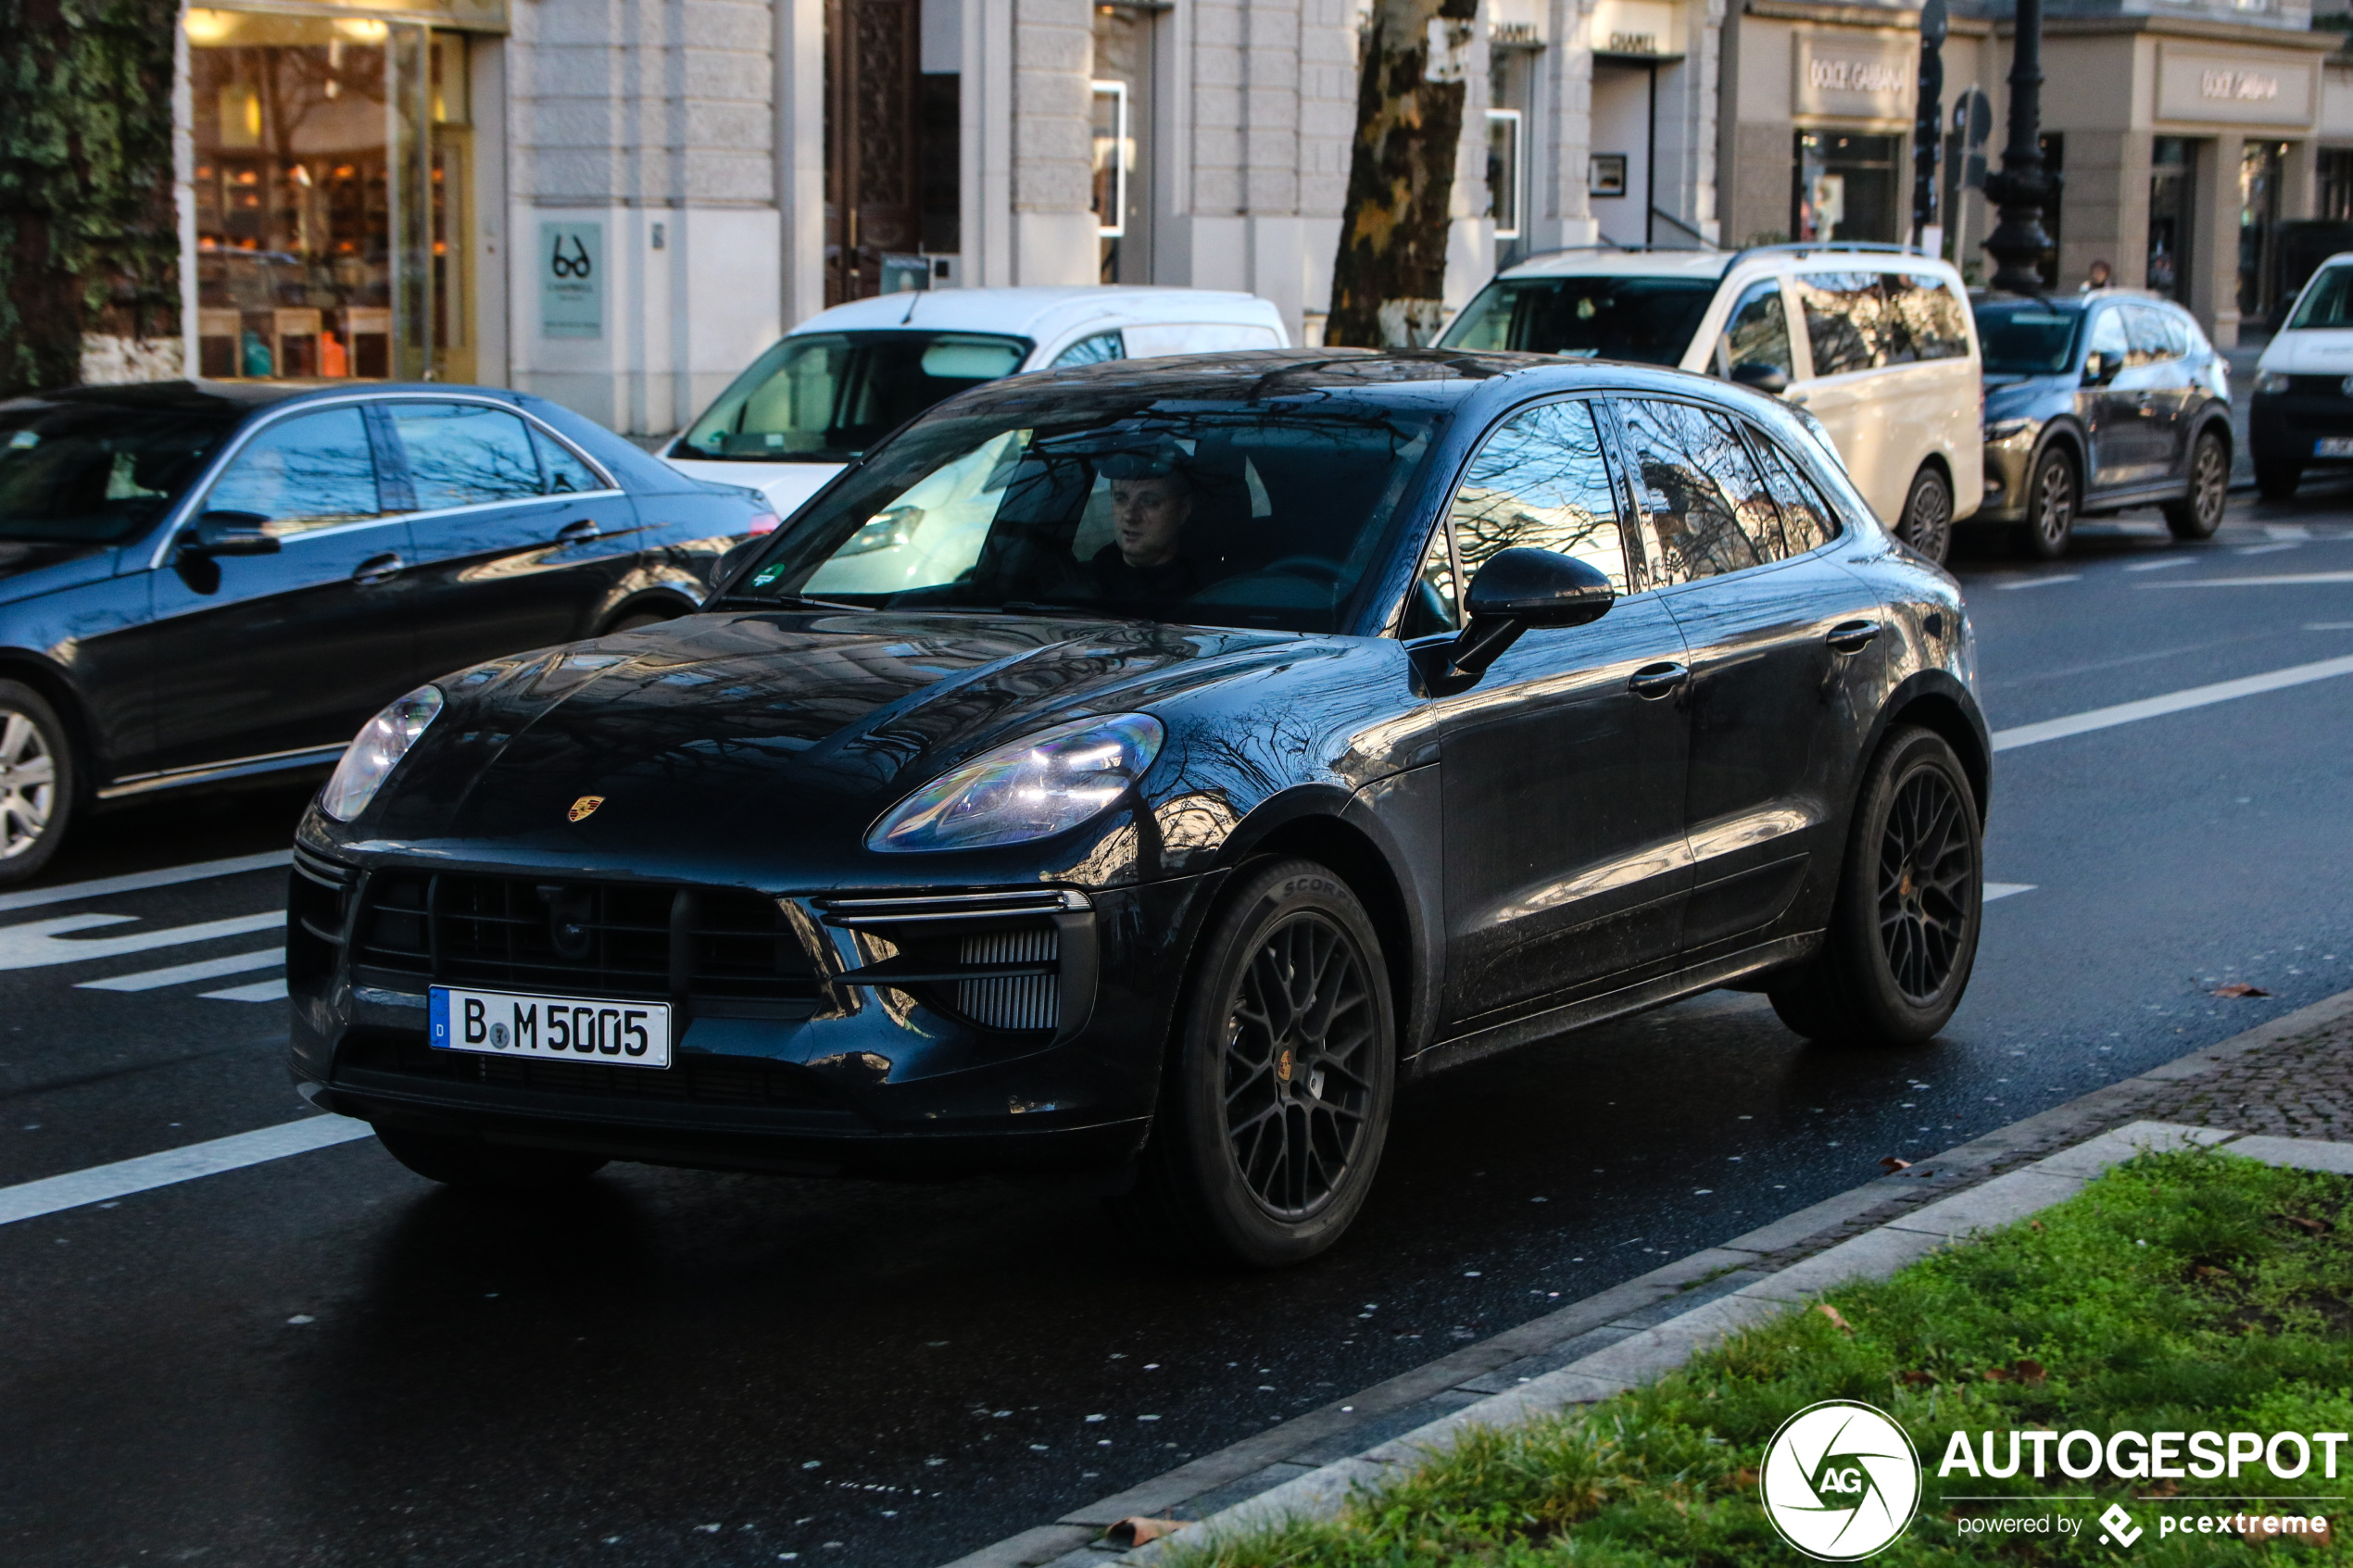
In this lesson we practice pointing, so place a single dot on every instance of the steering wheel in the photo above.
(1314, 567)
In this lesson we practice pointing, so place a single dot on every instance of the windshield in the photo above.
(1228, 510)
(2328, 302)
(1650, 320)
(2027, 337)
(88, 473)
(824, 397)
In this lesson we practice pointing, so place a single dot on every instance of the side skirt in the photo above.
(1498, 1038)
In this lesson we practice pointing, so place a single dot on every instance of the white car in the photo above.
(1875, 342)
(848, 376)
(2302, 416)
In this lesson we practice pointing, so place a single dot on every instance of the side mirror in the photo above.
(1521, 589)
(229, 534)
(732, 563)
(1770, 380)
(2100, 369)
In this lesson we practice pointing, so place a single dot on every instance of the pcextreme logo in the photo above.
(1841, 1481)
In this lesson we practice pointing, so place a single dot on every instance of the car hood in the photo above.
(785, 486)
(32, 567)
(2310, 352)
(720, 744)
(2007, 396)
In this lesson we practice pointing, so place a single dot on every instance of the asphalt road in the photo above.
(325, 1361)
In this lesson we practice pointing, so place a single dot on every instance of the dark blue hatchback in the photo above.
(202, 581)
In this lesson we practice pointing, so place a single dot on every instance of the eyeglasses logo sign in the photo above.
(1841, 1481)
(584, 808)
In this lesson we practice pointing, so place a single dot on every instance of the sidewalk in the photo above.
(2290, 1078)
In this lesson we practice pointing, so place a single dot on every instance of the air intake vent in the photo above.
(1013, 1001)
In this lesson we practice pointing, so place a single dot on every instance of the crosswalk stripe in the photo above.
(204, 969)
(33, 898)
(31, 1200)
(38, 944)
(260, 991)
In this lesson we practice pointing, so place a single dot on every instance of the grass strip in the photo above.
(2188, 1292)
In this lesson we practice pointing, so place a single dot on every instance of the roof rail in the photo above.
(1804, 247)
(1615, 247)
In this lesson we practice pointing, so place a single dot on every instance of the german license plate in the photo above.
(2332, 446)
(556, 1028)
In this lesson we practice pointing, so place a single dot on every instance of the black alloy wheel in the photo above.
(2277, 481)
(2051, 502)
(37, 783)
(1927, 525)
(1273, 1118)
(470, 1164)
(1904, 929)
(2199, 512)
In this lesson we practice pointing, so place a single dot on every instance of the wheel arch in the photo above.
(646, 599)
(57, 689)
(2217, 419)
(1934, 700)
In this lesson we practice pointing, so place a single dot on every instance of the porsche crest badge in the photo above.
(584, 808)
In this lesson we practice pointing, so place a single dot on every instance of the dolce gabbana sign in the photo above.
(2204, 84)
(1854, 79)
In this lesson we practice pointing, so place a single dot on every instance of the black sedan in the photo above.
(1139, 769)
(202, 581)
(2096, 403)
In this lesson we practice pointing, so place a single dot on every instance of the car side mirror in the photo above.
(2100, 369)
(732, 563)
(229, 534)
(1770, 380)
(1520, 590)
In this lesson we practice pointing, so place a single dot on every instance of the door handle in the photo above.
(378, 569)
(1852, 636)
(578, 532)
(1655, 680)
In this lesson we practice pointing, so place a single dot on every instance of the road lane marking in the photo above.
(2171, 702)
(2287, 530)
(206, 969)
(29, 1200)
(2044, 581)
(2160, 565)
(2276, 580)
(35, 944)
(2329, 626)
(202, 871)
(260, 991)
(2265, 549)
(2003, 889)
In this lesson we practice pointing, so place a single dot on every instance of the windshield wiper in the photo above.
(784, 601)
(1084, 613)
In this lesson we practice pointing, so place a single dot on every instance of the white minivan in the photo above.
(1875, 342)
(848, 376)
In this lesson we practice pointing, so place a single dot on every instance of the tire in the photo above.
(1927, 523)
(1277, 1101)
(477, 1166)
(2197, 514)
(2277, 481)
(39, 783)
(1904, 928)
(2052, 500)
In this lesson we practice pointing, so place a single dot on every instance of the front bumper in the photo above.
(886, 1033)
(2283, 428)
(2010, 465)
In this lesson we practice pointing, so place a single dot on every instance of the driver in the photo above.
(1151, 500)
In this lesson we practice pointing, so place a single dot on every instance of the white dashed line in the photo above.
(2276, 580)
(2042, 581)
(29, 1200)
(37, 944)
(2160, 565)
(2266, 549)
(260, 991)
(2004, 890)
(208, 969)
(33, 898)
(2171, 702)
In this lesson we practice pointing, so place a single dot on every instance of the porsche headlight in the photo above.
(1038, 786)
(369, 760)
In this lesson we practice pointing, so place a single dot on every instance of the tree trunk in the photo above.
(1390, 278)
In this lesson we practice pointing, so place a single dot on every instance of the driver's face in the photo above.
(1149, 518)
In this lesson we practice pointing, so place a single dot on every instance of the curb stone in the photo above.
(1591, 1349)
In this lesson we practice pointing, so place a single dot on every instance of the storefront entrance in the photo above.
(329, 194)
(2171, 161)
(2262, 166)
(1846, 187)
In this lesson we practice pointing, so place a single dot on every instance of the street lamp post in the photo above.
(1928, 129)
(2021, 189)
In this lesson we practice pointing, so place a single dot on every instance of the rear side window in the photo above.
(1093, 350)
(2145, 329)
(465, 454)
(1845, 320)
(1807, 521)
(1710, 512)
(566, 474)
(1541, 482)
(312, 470)
(1926, 320)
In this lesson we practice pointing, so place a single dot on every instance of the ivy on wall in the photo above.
(89, 240)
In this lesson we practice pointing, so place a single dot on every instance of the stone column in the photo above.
(2214, 260)
(1053, 227)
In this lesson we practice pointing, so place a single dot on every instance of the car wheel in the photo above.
(2276, 480)
(1904, 929)
(459, 1162)
(1277, 1102)
(37, 781)
(2197, 514)
(2051, 501)
(1927, 525)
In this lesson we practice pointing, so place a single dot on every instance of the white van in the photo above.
(2302, 415)
(848, 376)
(1875, 342)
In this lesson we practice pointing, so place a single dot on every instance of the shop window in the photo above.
(1502, 172)
(2332, 171)
(2262, 166)
(1846, 187)
(2169, 226)
(2054, 146)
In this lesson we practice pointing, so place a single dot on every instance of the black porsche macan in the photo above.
(1143, 770)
